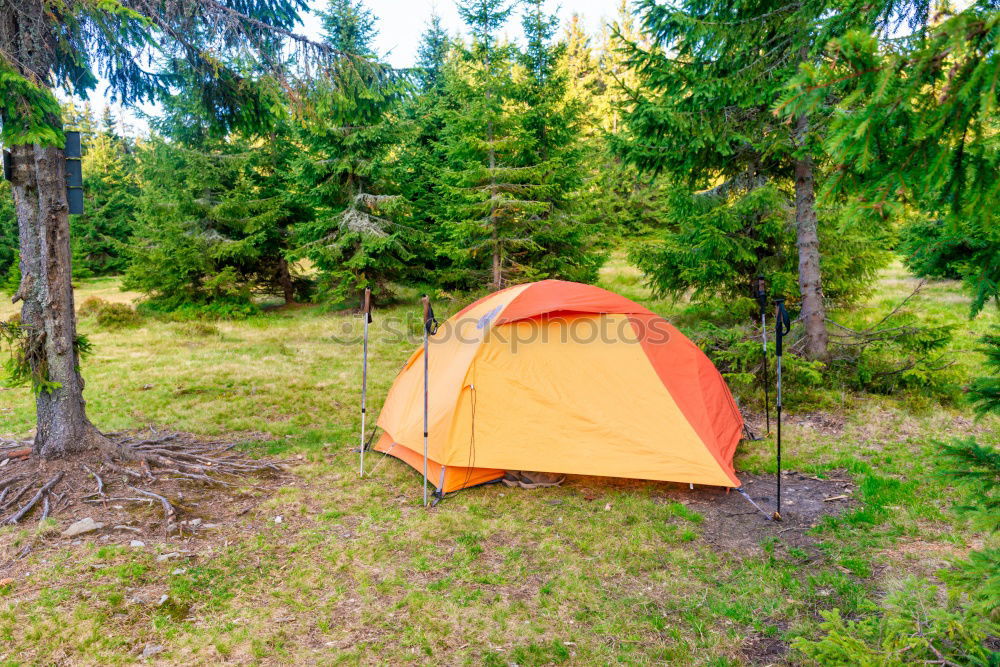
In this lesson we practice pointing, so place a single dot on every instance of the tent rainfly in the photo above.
(562, 377)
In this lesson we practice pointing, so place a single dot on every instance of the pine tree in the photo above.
(69, 43)
(215, 216)
(710, 81)
(915, 124)
(549, 147)
(355, 239)
(110, 190)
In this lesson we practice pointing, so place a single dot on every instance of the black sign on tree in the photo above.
(74, 173)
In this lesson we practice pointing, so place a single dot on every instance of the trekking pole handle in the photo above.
(782, 323)
(760, 293)
(366, 304)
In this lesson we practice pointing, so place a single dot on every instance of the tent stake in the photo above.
(366, 312)
(782, 325)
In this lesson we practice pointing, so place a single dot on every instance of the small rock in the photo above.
(137, 543)
(130, 528)
(162, 558)
(278, 519)
(211, 526)
(151, 650)
(163, 599)
(607, 508)
(82, 526)
(194, 523)
(179, 570)
(147, 387)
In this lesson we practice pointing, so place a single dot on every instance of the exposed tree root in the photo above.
(42, 493)
(131, 462)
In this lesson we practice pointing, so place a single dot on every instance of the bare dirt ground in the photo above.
(731, 523)
(124, 505)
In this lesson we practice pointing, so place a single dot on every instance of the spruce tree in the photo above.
(511, 155)
(614, 196)
(8, 239)
(549, 147)
(137, 47)
(711, 77)
(421, 165)
(915, 123)
(215, 215)
(110, 188)
(487, 198)
(356, 239)
(432, 54)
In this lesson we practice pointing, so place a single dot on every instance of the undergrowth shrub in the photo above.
(110, 315)
(898, 352)
(229, 308)
(919, 623)
(118, 316)
(196, 329)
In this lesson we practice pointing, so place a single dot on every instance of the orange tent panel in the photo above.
(564, 378)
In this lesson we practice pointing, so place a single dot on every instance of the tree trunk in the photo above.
(813, 314)
(285, 281)
(27, 40)
(39, 185)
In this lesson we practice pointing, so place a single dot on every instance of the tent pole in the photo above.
(367, 314)
(428, 318)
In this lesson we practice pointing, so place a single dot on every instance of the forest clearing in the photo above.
(596, 571)
(500, 332)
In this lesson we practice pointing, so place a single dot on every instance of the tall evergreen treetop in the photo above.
(349, 27)
(484, 18)
(432, 53)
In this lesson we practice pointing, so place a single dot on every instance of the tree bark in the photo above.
(38, 182)
(813, 314)
(39, 185)
(285, 281)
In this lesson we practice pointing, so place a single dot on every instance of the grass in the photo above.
(358, 571)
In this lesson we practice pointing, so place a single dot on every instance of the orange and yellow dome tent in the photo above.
(562, 377)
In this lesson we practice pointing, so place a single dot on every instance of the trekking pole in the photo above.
(429, 322)
(782, 325)
(760, 294)
(366, 312)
